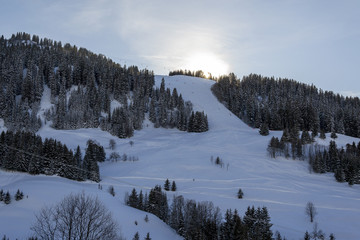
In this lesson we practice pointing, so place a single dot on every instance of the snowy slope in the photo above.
(283, 186)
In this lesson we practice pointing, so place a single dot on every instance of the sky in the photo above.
(314, 42)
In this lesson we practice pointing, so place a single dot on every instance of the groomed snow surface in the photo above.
(284, 186)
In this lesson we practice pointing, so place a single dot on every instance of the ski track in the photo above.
(284, 186)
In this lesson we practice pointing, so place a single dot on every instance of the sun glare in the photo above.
(207, 62)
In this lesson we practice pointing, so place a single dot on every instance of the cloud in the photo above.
(350, 93)
(305, 40)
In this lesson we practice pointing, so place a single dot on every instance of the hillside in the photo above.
(287, 104)
(283, 186)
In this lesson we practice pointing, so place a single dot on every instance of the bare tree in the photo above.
(75, 217)
(310, 210)
(114, 157)
(111, 190)
(112, 144)
(317, 234)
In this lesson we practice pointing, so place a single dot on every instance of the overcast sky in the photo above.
(311, 41)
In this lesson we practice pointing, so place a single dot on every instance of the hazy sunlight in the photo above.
(208, 63)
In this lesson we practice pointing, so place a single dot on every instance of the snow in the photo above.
(2, 127)
(45, 104)
(284, 186)
(115, 104)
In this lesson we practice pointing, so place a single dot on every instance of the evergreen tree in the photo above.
(240, 194)
(2, 195)
(227, 226)
(266, 232)
(90, 165)
(133, 200)
(78, 161)
(333, 135)
(141, 200)
(148, 236)
(167, 185)
(322, 135)
(136, 236)
(19, 195)
(305, 137)
(264, 129)
(111, 190)
(173, 186)
(7, 198)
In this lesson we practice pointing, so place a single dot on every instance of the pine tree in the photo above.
(90, 165)
(240, 194)
(19, 195)
(238, 228)
(227, 226)
(173, 186)
(7, 198)
(111, 190)
(167, 185)
(307, 236)
(2, 195)
(266, 232)
(136, 236)
(141, 200)
(148, 236)
(333, 135)
(322, 135)
(305, 137)
(133, 200)
(78, 163)
(277, 236)
(285, 136)
(264, 129)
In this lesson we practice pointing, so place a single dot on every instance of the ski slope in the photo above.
(284, 186)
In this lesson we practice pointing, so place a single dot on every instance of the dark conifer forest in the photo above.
(286, 104)
(27, 152)
(202, 220)
(344, 163)
(82, 86)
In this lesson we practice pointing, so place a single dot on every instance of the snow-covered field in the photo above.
(284, 186)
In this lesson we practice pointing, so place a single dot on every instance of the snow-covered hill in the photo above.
(283, 186)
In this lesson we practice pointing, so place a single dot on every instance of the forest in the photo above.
(202, 220)
(344, 163)
(280, 104)
(82, 86)
(27, 152)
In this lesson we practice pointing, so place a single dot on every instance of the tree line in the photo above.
(27, 152)
(202, 220)
(169, 110)
(198, 73)
(343, 162)
(282, 103)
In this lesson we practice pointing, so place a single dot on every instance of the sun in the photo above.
(209, 63)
